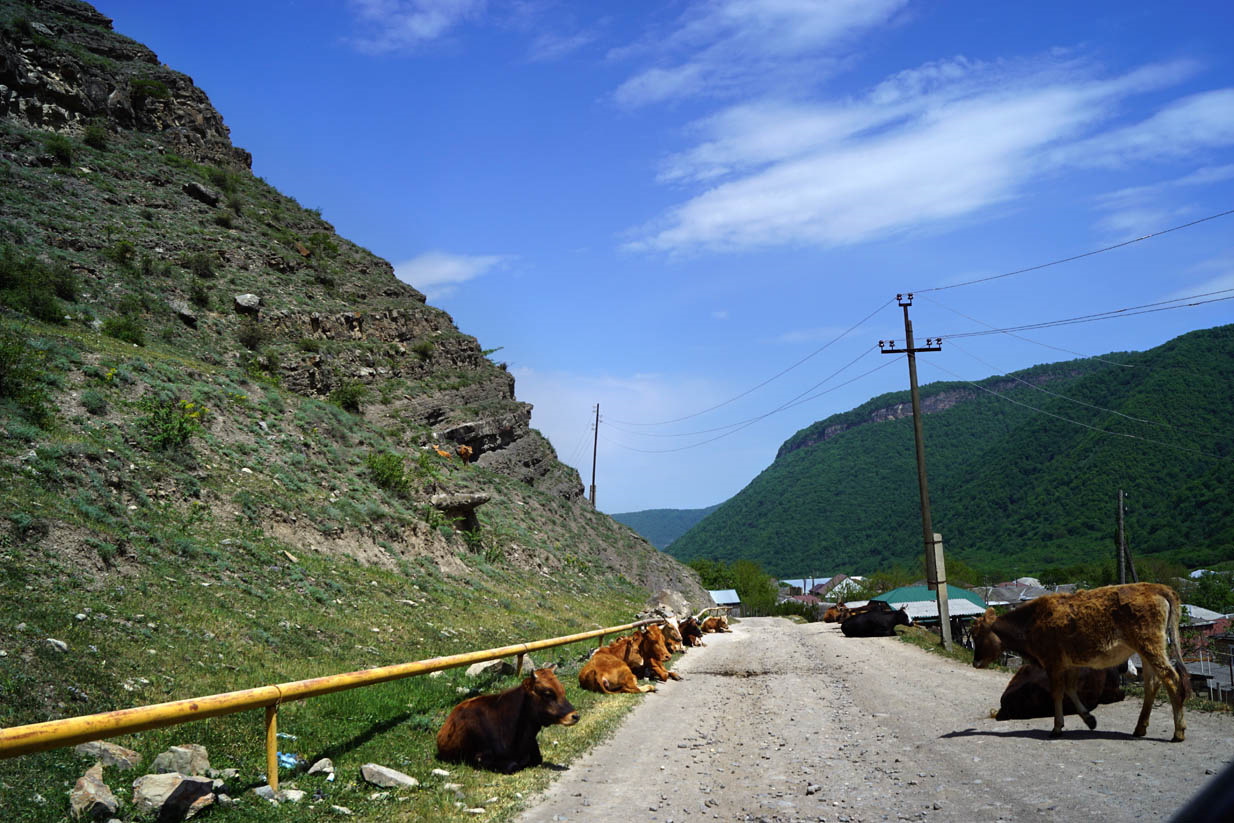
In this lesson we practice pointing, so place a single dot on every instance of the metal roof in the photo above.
(724, 597)
(912, 594)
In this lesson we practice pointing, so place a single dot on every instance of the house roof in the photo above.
(804, 583)
(1199, 614)
(922, 594)
(928, 609)
(724, 597)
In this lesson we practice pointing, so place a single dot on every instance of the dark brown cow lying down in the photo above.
(498, 731)
(1028, 693)
(1097, 628)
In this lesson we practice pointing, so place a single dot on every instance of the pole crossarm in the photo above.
(69, 731)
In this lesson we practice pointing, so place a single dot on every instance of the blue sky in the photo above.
(659, 206)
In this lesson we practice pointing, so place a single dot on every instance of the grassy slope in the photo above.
(662, 526)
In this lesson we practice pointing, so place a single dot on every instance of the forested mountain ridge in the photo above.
(662, 526)
(1014, 485)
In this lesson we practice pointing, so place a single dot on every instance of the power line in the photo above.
(796, 401)
(954, 345)
(1079, 256)
(1034, 342)
(834, 340)
(1128, 311)
(1077, 422)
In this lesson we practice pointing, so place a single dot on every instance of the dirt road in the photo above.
(782, 722)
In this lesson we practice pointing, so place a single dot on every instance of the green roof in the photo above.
(912, 594)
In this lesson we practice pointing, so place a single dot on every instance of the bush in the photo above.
(387, 471)
(127, 327)
(94, 402)
(60, 147)
(34, 287)
(200, 264)
(21, 378)
(199, 296)
(251, 334)
(423, 350)
(309, 344)
(321, 245)
(225, 219)
(170, 422)
(122, 253)
(96, 137)
(142, 89)
(349, 396)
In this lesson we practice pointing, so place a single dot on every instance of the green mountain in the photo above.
(1013, 488)
(662, 526)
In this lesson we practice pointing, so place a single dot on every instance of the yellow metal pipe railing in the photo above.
(69, 731)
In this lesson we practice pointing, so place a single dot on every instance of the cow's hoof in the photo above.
(1091, 722)
(1140, 731)
(1055, 734)
(1178, 737)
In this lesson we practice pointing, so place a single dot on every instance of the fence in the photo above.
(69, 731)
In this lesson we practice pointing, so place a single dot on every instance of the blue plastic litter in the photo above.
(288, 760)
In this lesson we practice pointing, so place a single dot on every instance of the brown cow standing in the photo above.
(1098, 628)
(498, 731)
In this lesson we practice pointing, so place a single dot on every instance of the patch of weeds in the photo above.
(423, 350)
(224, 219)
(60, 148)
(96, 136)
(142, 89)
(21, 382)
(308, 344)
(199, 295)
(128, 327)
(322, 245)
(388, 471)
(34, 287)
(349, 397)
(94, 402)
(251, 334)
(171, 423)
(199, 263)
(122, 253)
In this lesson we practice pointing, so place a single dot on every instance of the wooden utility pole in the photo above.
(595, 442)
(933, 549)
(1119, 541)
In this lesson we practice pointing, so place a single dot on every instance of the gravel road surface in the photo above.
(782, 722)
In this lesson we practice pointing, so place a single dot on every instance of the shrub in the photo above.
(60, 147)
(127, 327)
(225, 219)
(309, 344)
(322, 245)
(423, 350)
(199, 263)
(34, 287)
(96, 137)
(20, 378)
(349, 396)
(94, 402)
(142, 89)
(199, 296)
(222, 179)
(251, 334)
(387, 471)
(122, 253)
(171, 423)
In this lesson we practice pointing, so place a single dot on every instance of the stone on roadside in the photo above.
(90, 796)
(343, 810)
(387, 778)
(323, 766)
(491, 667)
(190, 758)
(109, 754)
(172, 796)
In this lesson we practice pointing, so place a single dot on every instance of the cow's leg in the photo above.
(1150, 694)
(1163, 673)
(1057, 678)
(1073, 676)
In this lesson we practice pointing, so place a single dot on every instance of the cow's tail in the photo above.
(1174, 641)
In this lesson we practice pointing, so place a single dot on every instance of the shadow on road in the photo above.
(1041, 734)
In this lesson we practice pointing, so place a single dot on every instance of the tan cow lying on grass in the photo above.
(1098, 628)
(611, 669)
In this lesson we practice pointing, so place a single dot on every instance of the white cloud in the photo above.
(547, 47)
(719, 48)
(1140, 210)
(436, 273)
(396, 25)
(1218, 274)
(927, 145)
(719, 314)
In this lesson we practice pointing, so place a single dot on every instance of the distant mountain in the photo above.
(661, 527)
(1013, 483)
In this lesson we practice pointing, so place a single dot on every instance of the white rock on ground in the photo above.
(90, 797)
(387, 778)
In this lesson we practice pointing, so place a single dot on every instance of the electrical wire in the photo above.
(1075, 422)
(779, 374)
(1034, 342)
(1128, 311)
(796, 401)
(1079, 256)
(994, 368)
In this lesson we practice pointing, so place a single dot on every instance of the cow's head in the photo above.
(902, 618)
(652, 645)
(987, 647)
(627, 649)
(548, 697)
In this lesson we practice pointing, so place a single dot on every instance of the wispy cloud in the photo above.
(927, 145)
(733, 46)
(398, 25)
(437, 273)
(547, 47)
(1216, 274)
(1139, 210)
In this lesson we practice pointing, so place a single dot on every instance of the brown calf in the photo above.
(498, 731)
(1098, 628)
(655, 653)
(716, 624)
(691, 632)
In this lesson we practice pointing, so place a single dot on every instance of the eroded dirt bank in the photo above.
(783, 722)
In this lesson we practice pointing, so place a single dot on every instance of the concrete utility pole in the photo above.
(595, 442)
(933, 544)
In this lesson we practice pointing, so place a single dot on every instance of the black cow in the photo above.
(498, 731)
(875, 624)
(1028, 693)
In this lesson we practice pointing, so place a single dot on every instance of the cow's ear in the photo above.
(989, 613)
(551, 667)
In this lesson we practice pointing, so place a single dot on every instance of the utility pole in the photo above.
(595, 442)
(1120, 542)
(933, 547)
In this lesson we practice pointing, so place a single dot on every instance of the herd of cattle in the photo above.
(1073, 646)
(498, 731)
